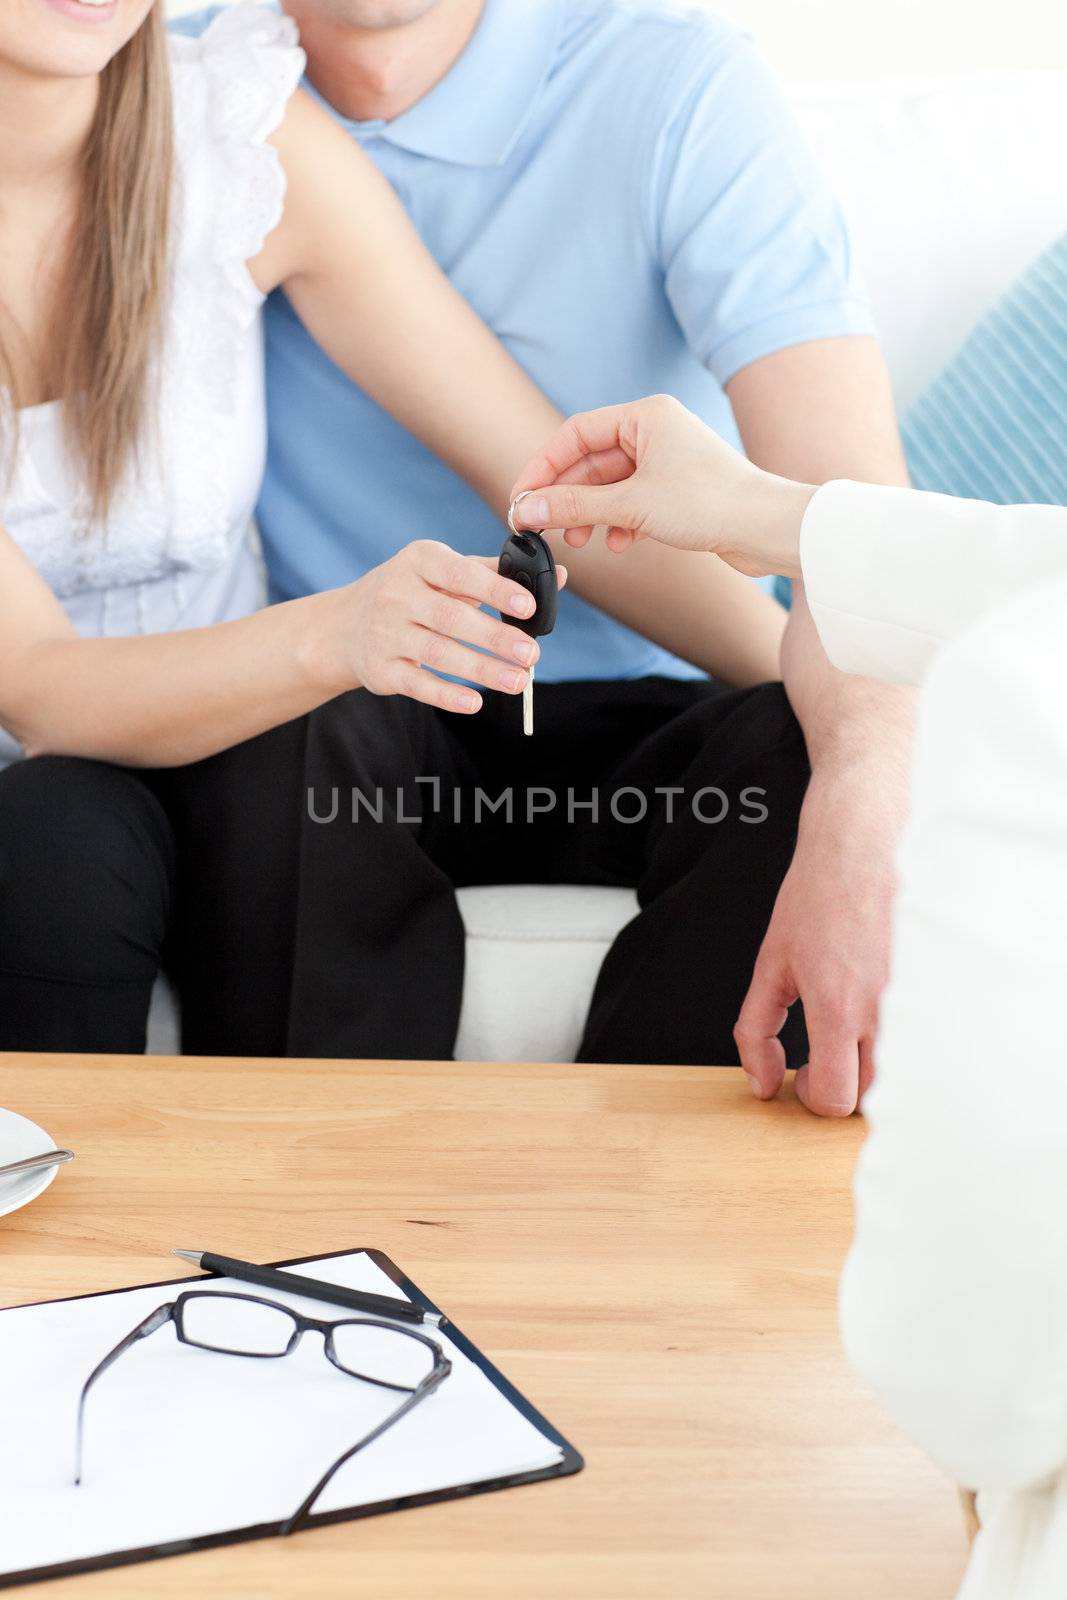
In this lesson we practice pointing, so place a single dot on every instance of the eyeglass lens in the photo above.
(385, 1355)
(236, 1326)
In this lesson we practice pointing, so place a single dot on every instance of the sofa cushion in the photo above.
(993, 426)
(533, 954)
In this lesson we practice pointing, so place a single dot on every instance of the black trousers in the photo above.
(300, 888)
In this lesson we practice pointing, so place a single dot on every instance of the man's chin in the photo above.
(376, 14)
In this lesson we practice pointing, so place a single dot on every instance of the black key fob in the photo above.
(527, 559)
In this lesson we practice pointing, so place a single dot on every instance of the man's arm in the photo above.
(697, 608)
(814, 412)
(371, 294)
(762, 278)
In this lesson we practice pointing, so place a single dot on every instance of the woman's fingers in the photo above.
(652, 469)
(447, 655)
(587, 434)
(601, 467)
(576, 507)
(491, 562)
(443, 615)
(472, 577)
(425, 611)
(409, 679)
(576, 479)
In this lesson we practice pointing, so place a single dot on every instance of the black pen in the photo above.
(381, 1305)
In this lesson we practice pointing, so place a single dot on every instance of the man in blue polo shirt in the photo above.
(619, 191)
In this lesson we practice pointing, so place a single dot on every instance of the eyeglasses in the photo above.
(375, 1352)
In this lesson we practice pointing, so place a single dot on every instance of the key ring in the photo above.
(514, 506)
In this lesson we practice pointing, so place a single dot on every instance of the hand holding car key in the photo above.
(526, 559)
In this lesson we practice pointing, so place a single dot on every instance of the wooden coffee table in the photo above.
(648, 1253)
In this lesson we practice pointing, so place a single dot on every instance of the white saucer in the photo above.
(20, 1137)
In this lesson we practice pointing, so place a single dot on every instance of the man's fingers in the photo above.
(866, 1066)
(829, 1084)
(762, 1019)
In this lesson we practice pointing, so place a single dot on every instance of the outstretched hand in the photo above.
(651, 469)
(423, 608)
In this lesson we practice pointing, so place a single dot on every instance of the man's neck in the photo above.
(368, 74)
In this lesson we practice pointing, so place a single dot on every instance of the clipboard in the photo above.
(538, 1450)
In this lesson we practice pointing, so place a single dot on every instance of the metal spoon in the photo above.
(50, 1158)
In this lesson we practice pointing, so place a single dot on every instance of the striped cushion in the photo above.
(993, 426)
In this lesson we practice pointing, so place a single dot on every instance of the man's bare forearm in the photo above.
(691, 604)
(845, 719)
(840, 390)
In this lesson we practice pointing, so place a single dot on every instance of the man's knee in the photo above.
(86, 862)
(750, 739)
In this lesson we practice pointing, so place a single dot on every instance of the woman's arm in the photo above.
(165, 699)
(371, 294)
(891, 574)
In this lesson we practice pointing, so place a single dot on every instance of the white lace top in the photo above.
(177, 549)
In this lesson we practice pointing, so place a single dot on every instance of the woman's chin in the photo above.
(71, 38)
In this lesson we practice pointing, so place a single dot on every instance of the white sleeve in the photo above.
(232, 86)
(891, 574)
(954, 1296)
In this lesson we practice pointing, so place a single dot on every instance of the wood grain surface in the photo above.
(648, 1254)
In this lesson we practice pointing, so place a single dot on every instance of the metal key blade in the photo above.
(527, 705)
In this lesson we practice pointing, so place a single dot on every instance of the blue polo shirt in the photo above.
(622, 194)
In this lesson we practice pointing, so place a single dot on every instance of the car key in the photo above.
(527, 560)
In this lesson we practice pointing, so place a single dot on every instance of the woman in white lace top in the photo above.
(153, 191)
(170, 549)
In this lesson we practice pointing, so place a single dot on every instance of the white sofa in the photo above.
(952, 187)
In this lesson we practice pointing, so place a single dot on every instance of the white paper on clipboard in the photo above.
(183, 1444)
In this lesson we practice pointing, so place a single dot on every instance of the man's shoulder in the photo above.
(653, 32)
(640, 63)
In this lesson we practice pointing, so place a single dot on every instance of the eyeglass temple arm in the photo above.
(156, 1319)
(426, 1387)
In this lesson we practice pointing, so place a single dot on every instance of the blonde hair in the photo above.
(109, 316)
